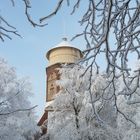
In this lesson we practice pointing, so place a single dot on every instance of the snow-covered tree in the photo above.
(110, 29)
(17, 120)
(86, 109)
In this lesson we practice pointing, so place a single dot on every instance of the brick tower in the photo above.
(63, 53)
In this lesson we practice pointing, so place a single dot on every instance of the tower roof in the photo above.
(63, 43)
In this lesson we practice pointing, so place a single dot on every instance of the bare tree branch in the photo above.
(18, 110)
(59, 4)
(27, 6)
(6, 30)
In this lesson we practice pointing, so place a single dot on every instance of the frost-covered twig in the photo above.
(18, 110)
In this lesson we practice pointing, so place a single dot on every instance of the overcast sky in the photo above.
(27, 55)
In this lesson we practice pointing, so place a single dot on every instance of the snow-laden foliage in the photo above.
(85, 109)
(16, 121)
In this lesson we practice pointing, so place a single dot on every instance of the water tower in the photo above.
(63, 53)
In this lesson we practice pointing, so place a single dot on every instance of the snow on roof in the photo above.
(64, 43)
(49, 105)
